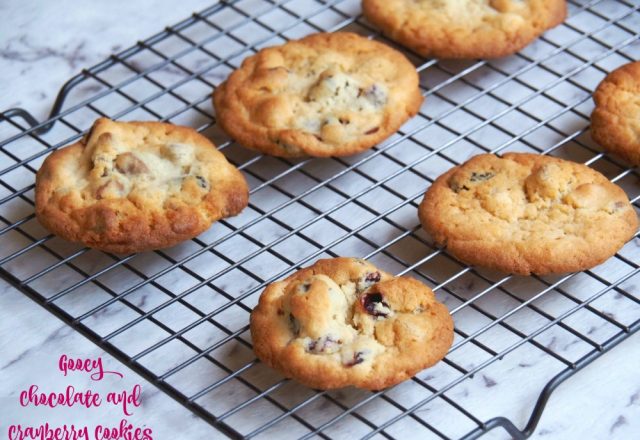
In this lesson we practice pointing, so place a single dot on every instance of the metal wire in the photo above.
(179, 316)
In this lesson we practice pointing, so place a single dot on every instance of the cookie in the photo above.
(329, 94)
(343, 322)
(464, 28)
(615, 121)
(527, 213)
(136, 186)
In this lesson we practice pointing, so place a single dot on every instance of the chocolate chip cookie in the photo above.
(615, 121)
(136, 186)
(464, 28)
(329, 94)
(528, 213)
(344, 322)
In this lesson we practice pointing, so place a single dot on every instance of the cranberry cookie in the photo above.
(344, 322)
(528, 213)
(135, 186)
(464, 28)
(329, 94)
(615, 122)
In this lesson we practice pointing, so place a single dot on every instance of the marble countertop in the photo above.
(42, 44)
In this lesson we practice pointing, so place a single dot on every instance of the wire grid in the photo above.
(180, 316)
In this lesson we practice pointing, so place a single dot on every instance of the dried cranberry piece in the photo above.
(358, 358)
(367, 281)
(375, 94)
(321, 345)
(373, 277)
(202, 182)
(370, 303)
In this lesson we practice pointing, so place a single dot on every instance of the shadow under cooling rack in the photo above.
(179, 316)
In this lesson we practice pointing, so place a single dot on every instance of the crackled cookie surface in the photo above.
(528, 213)
(464, 28)
(135, 186)
(344, 322)
(615, 121)
(329, 94)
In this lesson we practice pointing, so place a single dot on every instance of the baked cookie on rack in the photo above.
(343, 322)
(464, 28)
(615, 121)
(136, 186)
(527, 213)
(329, 94)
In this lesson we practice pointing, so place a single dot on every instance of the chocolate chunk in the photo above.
(129, 163)
(479, 177)
(373, 130)
(109, 186)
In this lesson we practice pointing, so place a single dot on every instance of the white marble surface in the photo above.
(44, 43)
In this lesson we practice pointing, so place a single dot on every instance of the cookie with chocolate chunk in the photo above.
(329, 94)
(464, 28)
(343, 322)
(136, 186)
(615, 121)
(527, 213)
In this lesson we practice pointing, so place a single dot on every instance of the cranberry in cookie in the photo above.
(329, 94)
(343, 322)
(527, 213)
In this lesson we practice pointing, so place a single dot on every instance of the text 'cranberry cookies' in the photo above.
(135, 186)
(329, 94)
(528, 213)
(344, 322)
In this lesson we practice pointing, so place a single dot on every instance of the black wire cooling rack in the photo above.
(179, 316)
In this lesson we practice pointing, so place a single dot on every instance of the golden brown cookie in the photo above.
(135, 186)
(615, 121)
(464, 28)
(329, 94)
(528, 213)
(344, 322)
